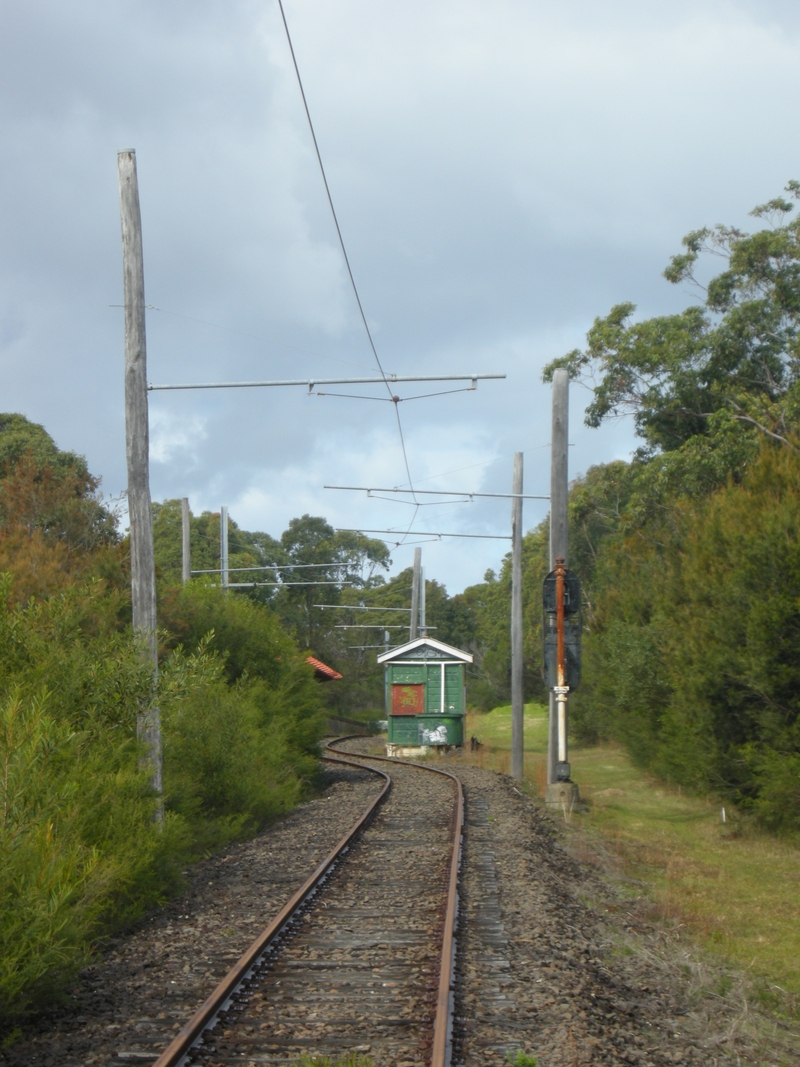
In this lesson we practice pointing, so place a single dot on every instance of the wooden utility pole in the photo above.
(223, 546)
(186, 542)
(414, 625)
(423, 630)
(559, 478)
(137, 445)
(517, 705)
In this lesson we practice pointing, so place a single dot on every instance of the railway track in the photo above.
(361, 957)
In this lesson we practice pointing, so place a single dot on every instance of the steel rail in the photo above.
(443, 1022)
(180, 1046)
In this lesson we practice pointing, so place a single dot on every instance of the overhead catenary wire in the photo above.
(279, 585)
(278, 567)
(344, 251)
(437, 492)
(356, 607)
(375, 626)
(398, 399)
(428, 533)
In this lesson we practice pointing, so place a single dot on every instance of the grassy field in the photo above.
(737, 890)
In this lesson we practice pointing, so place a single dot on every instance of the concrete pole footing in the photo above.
(562, 795)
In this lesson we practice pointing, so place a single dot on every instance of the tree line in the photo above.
(689, 553)
(80, 853)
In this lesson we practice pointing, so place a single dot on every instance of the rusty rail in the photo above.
(443, 1022)
(204, 1017)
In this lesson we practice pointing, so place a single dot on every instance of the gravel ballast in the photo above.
(147, 983)
(554, 961)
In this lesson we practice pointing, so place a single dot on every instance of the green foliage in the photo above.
(257, 656)
(521, 1059)
(225, 773)
(693, 578)
(248, 635)
(80, 851)
(693, 643)
(44, 490)
(20, 437)
(738, 354)
(244, 549)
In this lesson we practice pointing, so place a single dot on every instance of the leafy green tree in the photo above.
(54, 526)
(244, 549)
(688, 553)
(736, 353)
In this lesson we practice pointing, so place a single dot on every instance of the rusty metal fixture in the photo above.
(561, 573)
(182, 1043)
(443, 1021)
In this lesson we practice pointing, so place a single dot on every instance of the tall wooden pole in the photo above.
(137, 443)
(423, 630)
(559, 479)
(517, 705)
(414, 626)
(223, 545)
(186, 542)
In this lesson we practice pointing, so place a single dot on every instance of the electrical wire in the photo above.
(344, 249)
(395, 399)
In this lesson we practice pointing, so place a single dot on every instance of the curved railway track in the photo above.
(361, 957)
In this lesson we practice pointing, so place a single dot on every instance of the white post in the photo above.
(561, 700)
(223, 545)
(137, 447)
(186, 541)
(517, 704)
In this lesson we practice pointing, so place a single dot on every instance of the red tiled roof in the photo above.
(322, 670)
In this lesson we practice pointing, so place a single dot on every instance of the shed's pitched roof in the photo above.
(425, 642)
(322, 670)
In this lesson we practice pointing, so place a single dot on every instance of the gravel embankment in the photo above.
(146, 984)
(553, 959)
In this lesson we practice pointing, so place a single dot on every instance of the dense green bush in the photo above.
(692, 658)
(79, 850)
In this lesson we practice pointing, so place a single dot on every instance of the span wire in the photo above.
(344, 249)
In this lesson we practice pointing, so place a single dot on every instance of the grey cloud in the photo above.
(503, 173)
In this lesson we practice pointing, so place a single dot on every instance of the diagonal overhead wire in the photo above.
(342, 245)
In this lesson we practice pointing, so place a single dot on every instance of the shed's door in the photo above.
(408, 699)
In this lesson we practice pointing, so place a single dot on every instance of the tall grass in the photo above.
(732, 884)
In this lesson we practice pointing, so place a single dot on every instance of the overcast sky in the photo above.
(503, 171)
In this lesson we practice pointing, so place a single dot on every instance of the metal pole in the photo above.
(137, 447)
(558, 523)
(186, 541)
(223, 545)
(414, 620)
(422, 628)
(517, 705)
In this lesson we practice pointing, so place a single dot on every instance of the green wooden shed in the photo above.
(425, 695)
